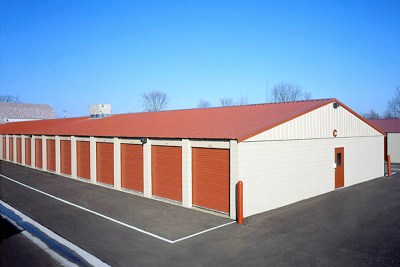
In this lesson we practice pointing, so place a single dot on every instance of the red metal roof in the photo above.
(237, 122)
(387, 125)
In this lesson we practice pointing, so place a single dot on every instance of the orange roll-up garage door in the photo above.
(105, 163)
(11, 148)
(19, 150)
(38, 153)
(51, 154)
(65, 156)
(28, 151)
(83, 159)
(166, 170)
(4, 148)
(132, 167)
(210, 174)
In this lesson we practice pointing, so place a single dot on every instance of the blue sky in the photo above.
(70, 54)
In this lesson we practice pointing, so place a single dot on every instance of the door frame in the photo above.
(339, 174)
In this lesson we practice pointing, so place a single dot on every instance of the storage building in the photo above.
(283, 152)
(392, 140)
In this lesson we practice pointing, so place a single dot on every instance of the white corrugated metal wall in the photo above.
(319, 123)
(393, 146)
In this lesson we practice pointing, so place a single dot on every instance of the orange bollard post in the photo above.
(389, 163)
(240, 202)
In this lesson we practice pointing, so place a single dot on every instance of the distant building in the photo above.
(14, 112)
(392, 140)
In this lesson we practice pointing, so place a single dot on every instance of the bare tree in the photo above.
(203, 104)
(371, 115)
(285, 91)
(9, 98)
(307, 96)
(154, 101)
(393, 106)
(242, 101)
(226, 101)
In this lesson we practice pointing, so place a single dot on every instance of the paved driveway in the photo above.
(355, 226)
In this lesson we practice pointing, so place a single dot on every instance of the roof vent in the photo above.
(99, 110)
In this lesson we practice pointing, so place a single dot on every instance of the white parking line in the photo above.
(114, 220)
(202, 232)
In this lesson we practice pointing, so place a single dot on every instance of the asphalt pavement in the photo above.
(17, 250)
(354, 226)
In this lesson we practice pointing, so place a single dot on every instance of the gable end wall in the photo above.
(319, 123)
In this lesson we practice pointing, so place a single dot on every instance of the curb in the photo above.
(68, 251)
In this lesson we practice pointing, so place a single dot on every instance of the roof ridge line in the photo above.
(233, 106)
